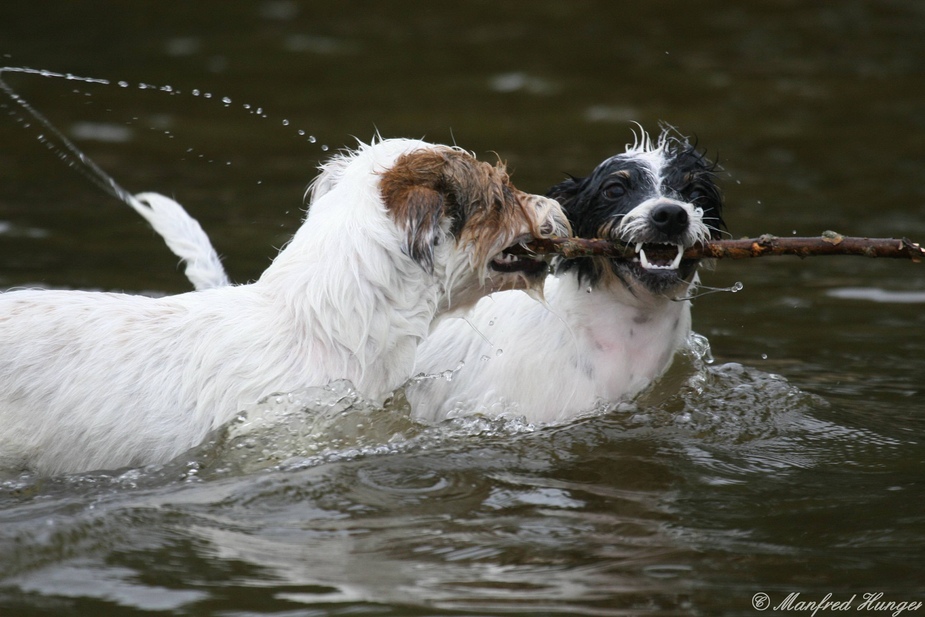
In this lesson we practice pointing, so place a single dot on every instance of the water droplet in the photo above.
(324, 148)
(499, 352)
(195, 92)
(166, 89)
(739, 286)
(247, 105)
(285, 122)
(484, 358)
(764, 356)
(226, 100)
(301, 133)
(207, 95)
(123, 84)
(311, 139)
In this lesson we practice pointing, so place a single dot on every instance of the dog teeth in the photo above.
(644, 259)
(677, 258)
(505, 258)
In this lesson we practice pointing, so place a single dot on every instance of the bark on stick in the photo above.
(829, 243)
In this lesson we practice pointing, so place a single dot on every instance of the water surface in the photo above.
(791, 464)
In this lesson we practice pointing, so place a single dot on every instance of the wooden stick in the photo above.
(829, 243)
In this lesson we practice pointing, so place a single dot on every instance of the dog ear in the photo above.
(420, 210)
(414, 194)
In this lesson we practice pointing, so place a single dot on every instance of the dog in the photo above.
(609, 326)
(399, 233)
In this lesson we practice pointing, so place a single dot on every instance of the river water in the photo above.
(790, 461)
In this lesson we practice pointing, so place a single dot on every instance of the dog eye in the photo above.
(614, 190)
(697, 193)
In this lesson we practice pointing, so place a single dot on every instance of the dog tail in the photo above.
(184, 236)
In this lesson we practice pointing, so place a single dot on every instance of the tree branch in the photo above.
(829, 243)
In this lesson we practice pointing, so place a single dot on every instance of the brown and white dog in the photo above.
(398, 233)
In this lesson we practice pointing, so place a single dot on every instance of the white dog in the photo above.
(610, 326)
(398, 232)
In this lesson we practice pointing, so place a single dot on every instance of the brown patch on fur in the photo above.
(484, 209)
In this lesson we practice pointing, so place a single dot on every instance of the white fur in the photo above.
(547, 363)
(184, 237)
(102, 380)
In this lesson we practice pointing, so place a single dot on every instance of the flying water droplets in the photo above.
(57, 142)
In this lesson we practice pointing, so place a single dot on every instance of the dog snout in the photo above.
(669, 219)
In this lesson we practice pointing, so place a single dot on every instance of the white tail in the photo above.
(184, 236)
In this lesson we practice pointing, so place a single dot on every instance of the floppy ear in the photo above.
(419, 210)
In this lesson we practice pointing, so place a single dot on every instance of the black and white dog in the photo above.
(609, 327)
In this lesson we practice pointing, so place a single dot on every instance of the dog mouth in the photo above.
(516, 259)
(658, 257)
(660, 267)
(525, 264)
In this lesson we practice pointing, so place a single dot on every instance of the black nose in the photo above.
(670, 219)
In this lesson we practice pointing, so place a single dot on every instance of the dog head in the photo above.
(661, 197)
(457, 216)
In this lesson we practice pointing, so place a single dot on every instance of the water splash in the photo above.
(704, 290)
(312, 426)
(65, 149)
(699, 347)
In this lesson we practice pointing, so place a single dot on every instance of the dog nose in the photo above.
(670, 219)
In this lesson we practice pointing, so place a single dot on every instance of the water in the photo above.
(792, 463)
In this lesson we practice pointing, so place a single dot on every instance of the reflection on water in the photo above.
(792, 463)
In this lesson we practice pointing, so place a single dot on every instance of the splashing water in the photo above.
(315, 425)
(703, 290)
(67, 151)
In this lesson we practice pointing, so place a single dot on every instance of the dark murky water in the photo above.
(792, 464)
